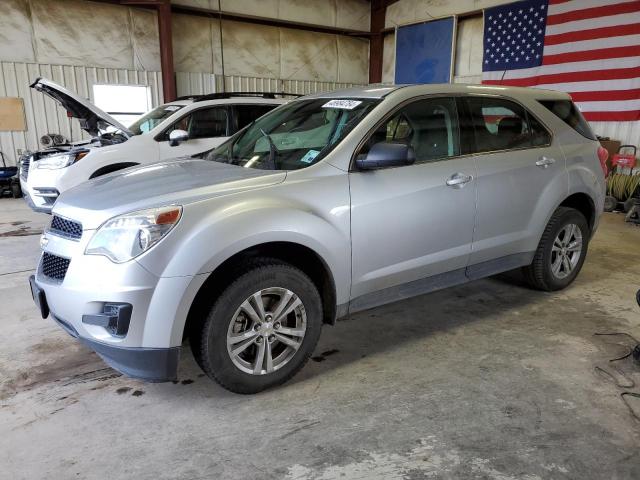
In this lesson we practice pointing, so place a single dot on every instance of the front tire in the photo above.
(261, 330)
(561, 251)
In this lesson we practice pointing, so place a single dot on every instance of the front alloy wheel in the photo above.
(262, 328)
(266, 331)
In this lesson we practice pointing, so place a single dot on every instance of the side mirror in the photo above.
(177, 136)
(385, 154)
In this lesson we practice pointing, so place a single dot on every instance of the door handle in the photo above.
(544, 162)
(458, 180)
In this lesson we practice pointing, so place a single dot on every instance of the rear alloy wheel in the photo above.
(566, 251)
(561, 251)
(262, 329)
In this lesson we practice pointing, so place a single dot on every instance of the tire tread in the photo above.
(535, 272)
(251, 267)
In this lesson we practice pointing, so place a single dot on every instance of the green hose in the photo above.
(622, 186)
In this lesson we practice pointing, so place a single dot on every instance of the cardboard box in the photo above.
(12, 117)
(612, 147)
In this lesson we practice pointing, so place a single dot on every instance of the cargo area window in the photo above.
(567, 111)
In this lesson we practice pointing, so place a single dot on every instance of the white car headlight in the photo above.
(61, 160)
(125, 237)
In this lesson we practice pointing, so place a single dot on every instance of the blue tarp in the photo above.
(423, 52)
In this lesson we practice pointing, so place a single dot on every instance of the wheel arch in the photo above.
(300, 256)
(584, 204)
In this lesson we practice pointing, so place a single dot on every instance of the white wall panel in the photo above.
(267, 51)
(352, 14)
(468, 59)
(627, 132)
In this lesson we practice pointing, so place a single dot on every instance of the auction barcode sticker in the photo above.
(345, 104)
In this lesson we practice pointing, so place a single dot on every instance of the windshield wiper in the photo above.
(273, 150)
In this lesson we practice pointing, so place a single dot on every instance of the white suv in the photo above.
(185, 127)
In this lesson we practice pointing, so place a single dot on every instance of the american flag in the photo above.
(587, 48)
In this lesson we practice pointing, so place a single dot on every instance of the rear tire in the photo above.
(277, 342)
(561, 251)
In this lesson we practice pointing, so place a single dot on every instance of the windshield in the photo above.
(295, 135)
(153, 118)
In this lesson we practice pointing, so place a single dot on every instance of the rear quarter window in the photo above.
(567, 111)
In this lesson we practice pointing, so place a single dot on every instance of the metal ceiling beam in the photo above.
(239, 17)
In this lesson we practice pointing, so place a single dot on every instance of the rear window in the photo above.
(245, 114)
(567, 111)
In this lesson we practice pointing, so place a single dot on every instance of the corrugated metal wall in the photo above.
(626, 132)
(44, 116)
(200, 83)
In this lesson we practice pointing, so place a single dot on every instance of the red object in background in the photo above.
(603, 154)
(625, 160)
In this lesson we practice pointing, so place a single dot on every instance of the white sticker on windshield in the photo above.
(172, 108)
(309, 156)
(344, 104)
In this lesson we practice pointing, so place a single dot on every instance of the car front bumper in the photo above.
(39, 197)
(149, 348)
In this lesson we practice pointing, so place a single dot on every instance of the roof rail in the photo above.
(188, 97)
(225, 95)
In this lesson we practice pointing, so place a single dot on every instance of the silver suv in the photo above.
(328, 205)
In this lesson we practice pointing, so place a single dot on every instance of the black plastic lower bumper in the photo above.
(150, 364)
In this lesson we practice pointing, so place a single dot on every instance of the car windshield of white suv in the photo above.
(151, 119)
(295, 135)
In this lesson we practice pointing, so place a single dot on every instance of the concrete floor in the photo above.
(488, 380)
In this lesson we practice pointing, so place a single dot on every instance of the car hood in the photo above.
(180, 181)
(91, 118)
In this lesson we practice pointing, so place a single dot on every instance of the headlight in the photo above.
(61, 160)
(125, 237)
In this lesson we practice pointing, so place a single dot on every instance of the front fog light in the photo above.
(125, 237)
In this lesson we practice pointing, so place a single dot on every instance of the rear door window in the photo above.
(245, 114)
(497, 124)
(567, 111)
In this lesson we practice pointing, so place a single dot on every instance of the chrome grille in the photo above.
(65, 228)
(54, 267)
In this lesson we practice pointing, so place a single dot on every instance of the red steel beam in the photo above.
(166, 52)
(376, 44)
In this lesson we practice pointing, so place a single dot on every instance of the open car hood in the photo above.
(91, 118)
